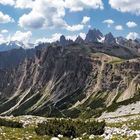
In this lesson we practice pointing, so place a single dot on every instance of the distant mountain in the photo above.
(138, 40)
(79, 40)
(93, 36)
(14, 45)
(9, 46)
(109, 39)
(64, 41)
(14, 57)
(120, 40)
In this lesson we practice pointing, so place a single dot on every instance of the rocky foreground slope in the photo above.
(79, 80)
(120, 128)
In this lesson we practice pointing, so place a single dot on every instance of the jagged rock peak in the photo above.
(79, 40)
(64, 41)
(93, 35)
(109, 38)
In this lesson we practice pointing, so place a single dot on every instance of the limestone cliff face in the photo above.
(68, 81)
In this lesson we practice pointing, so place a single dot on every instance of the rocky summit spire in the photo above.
(64, 41)
(109, 39)
(79, 40)
(93, 36)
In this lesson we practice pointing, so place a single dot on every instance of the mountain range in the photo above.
(15, 45)
(93, 35)
(81, 78)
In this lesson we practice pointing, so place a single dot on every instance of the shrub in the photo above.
(70, 128)
(10, 123)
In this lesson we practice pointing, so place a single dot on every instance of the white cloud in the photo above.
(22, 36)
(85, 20)
(131, 24)
(56, 37)
(89, 26)
(45, 13)
(119, 27)
(80, 5)
(53, 38)
(5, 18)
(71, 37)
(73, 5)
(82, 35)
(131, 6)
(2, 39)
(132, 35)
(50, 13)
(23, 4)
(7, 2)
(109, 22)
(32, 20)
(77, 27)
(4, 31)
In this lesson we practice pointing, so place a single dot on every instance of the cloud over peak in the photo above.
(132, 35)
(22, 36)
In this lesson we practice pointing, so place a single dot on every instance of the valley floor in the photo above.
(118, 128)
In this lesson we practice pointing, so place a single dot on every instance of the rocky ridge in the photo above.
(71, 79)
(70, 82)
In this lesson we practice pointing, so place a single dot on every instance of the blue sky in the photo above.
(32, 20)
